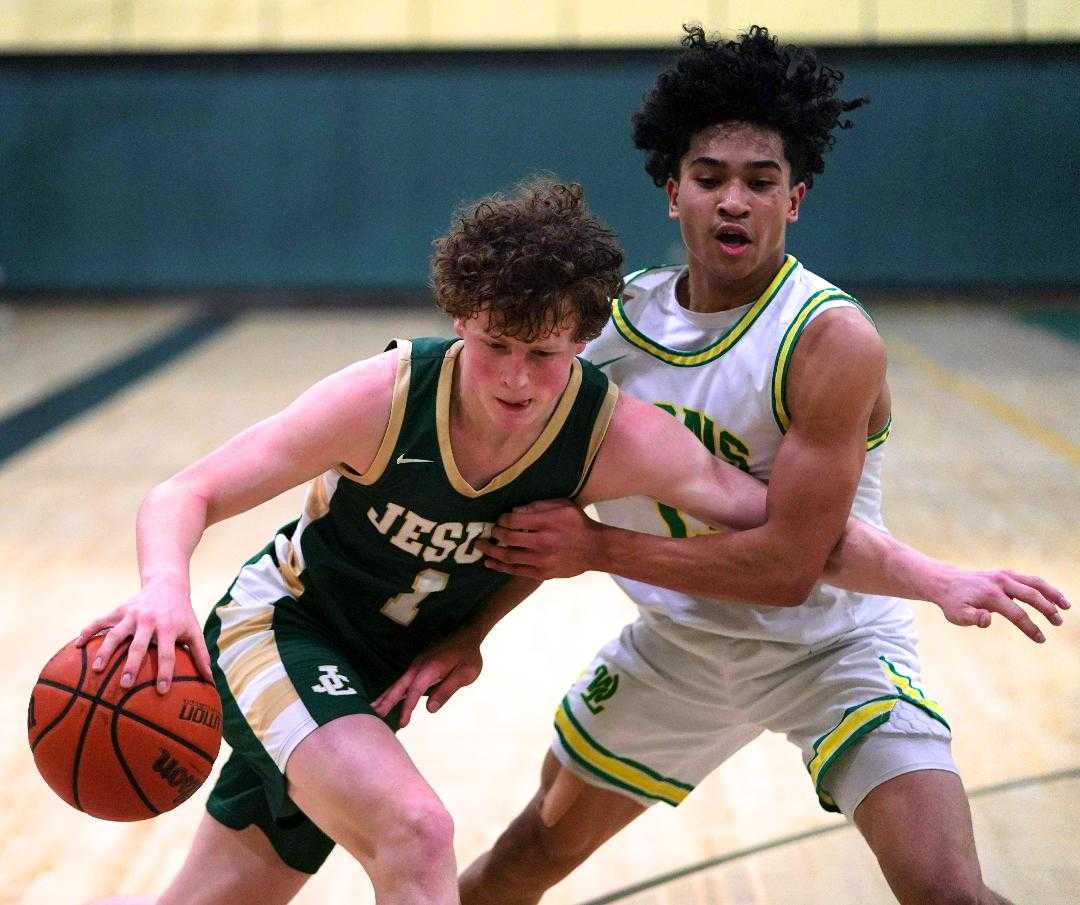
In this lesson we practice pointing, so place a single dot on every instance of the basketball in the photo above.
(122, 753)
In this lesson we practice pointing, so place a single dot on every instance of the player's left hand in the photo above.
(438, 672)
(970, 598)
(548, 539)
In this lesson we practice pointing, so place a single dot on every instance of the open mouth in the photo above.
(732, 239)
(515, 406)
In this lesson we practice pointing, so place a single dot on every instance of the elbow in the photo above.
(174, 493)
(798, 589)
(791, 588)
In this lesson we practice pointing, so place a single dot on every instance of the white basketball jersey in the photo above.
(723, 374)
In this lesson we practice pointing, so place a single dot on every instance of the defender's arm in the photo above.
(835, 378)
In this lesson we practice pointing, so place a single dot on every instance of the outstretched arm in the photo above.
(792, 526)
(875, 562)
(340, 419)
(795, 536)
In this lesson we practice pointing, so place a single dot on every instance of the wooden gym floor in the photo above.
(982, 469)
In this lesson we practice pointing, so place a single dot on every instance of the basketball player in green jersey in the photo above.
(412, 455)
(781, 373)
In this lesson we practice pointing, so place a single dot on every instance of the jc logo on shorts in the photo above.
(332, 682)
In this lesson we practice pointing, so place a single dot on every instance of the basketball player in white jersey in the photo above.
(782, 374)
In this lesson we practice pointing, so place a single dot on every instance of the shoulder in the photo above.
(360, 389)
(642, 283)
(838, 368)
(422, 348)
(841, 335)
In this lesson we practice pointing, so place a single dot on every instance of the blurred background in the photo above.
(207, 205)
(160, 146)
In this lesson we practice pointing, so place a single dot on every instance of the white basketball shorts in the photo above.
(662, 706)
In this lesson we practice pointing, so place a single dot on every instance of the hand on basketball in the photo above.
(439, 672)
(159, 613)
(970, 598)
(548, 539)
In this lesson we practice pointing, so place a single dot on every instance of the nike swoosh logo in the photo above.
(610, 361)
(404, 460)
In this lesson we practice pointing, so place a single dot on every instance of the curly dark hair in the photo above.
(536, 261)
(754, 79)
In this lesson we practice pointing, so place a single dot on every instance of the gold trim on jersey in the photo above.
(317, 503)
(534, 452)
(251, 664)
(269, 704)
(289, 567)
(781, 412)
(911, 692)
(599, 431)
(258, 623)
(857, 721)
(692, 359)
(393, 426)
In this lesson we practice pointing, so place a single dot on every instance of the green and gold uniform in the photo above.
(380, 565)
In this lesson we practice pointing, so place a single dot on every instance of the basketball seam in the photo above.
(176, 738)
(124, 764)
(67, 707)
(136, 717)
(102, 685)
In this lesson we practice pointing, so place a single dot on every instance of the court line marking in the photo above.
(37, 419)
(976, 393)
(689, 870)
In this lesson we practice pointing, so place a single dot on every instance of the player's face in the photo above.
(517, 384)
(733, 200)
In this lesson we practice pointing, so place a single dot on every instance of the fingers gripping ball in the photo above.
(122, 753)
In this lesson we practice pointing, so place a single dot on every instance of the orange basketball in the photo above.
(122, 753)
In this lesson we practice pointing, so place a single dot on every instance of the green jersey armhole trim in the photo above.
(875, 440)
(781, 412)
(393, 425)
(693, 359)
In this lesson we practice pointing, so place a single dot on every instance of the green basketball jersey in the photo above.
(386, 560)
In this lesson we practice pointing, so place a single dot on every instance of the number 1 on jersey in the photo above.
(402, 608)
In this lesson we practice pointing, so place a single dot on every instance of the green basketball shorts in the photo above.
(279, 678)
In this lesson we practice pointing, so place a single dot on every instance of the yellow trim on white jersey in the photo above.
(691, 359)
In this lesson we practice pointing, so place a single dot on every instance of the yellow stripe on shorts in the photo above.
(911, 692)
(856, 723)
(621, 772)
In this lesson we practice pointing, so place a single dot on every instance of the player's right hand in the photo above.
(970, 598)
(438, 672)
(160, 613)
